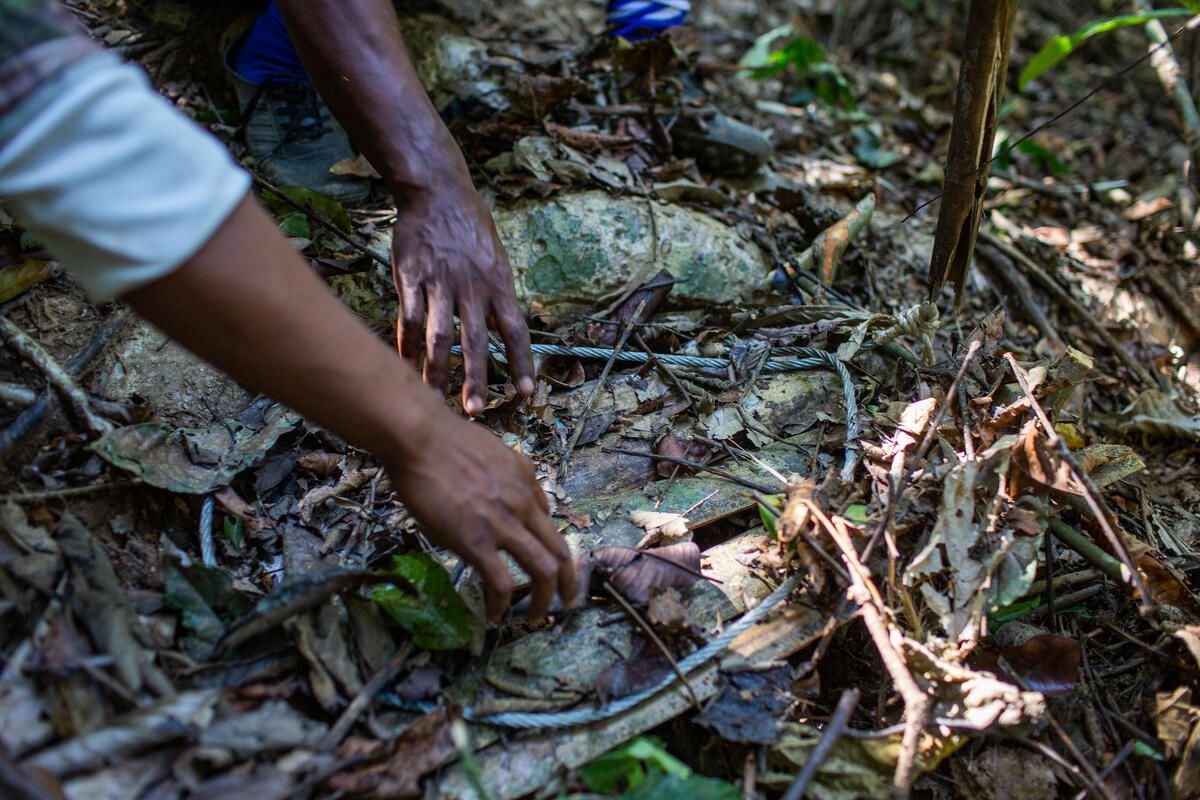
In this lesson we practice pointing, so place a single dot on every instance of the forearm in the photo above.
(355, 55)
(247, 303)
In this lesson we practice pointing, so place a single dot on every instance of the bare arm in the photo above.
(446, 258)
(247, 303)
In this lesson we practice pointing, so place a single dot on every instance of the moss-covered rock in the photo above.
(578, 247)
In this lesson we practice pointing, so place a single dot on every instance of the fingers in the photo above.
(410, 328)
(439, 336)
(475, 357)
(564, 566)
(541, 566)
(511, 325)
(496, 581)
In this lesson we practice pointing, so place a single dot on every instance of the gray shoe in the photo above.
(294, 138)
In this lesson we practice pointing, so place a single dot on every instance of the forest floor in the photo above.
(973, 533)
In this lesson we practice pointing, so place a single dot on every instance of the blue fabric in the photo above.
(267, 54)
(644, 19)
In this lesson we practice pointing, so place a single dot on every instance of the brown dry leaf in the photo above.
(232, 502)
(659, 526)
(1034, 462)
(393, 770)
(1157, 414)
(1109, 463)
(320, 463)
(667, 611)
(1045, 663)
(677, 447)
(635, 573)
(1177, 720)
(632, 675)
(358, 166)
(17, 278)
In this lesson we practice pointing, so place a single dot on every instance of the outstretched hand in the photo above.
(447, 261)
(478, 497)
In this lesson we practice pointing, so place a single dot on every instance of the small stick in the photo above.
(600, 383)
(696, 465)
(358, 705)
(829, 737)
(645, 626)
(72, 491)
(364, 524)
(35, 354)
(663, 369)
(1118, 759)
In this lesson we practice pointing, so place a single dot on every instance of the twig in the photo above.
(363, 526)
(645, 626)
(917, 703)
(1090, 320)
(696, 465)
(35, 354)
(359, 704)
(76, 367)
(1091, 494)
(663, 370)
(1089, 550)
(829, 737)
(600, 383)
(1117, 760)
(72, 491)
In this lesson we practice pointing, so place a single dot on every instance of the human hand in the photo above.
(478, 497)
(447, 261)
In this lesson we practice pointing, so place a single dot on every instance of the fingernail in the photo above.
(474, 406)
(525, 385)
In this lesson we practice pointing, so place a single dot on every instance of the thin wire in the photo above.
(814, 357)
(548, 720)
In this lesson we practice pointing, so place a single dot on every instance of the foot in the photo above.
(294, 139)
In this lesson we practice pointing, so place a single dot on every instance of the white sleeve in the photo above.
(118, 184)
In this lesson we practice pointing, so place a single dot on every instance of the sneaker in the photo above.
(292, 136)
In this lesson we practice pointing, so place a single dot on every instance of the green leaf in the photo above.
(768, 520)
(1060, 47)
(434, 615)
(310, 201)
(206, 602)
(855, 512)
(296, 225)
(626, 766)
(870, 152)
(29, 241)
(1145, 750)
(659, 784)
(235, 530)
(1043, 157)
(759, 54)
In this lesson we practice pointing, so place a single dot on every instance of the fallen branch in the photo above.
(76, 367)
(26, 347)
